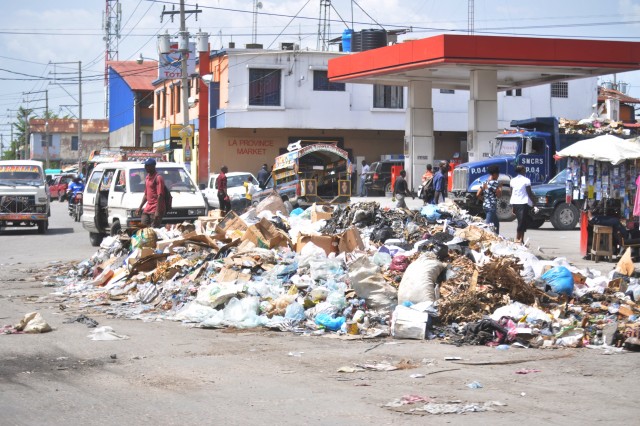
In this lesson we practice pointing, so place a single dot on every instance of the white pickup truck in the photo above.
(24, 195)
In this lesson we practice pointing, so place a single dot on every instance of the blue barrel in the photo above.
(346, 40)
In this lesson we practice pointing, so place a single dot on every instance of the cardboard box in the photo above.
(350, 240)
(265, 234)
(328, 243)
(231, 222)
(321, 212)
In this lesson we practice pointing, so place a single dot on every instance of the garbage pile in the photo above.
(593, 125)
(360, 271)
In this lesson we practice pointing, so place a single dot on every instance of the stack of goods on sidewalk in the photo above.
(357, 271)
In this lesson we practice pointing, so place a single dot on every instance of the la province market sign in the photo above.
(250, 146)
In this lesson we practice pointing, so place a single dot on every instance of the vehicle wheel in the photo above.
(78, 212)
(388, 188)
(43, 226)
(504, 210)
(535, 223)
(115, 229)
(61, 197)
(565, 217)
(95, 239)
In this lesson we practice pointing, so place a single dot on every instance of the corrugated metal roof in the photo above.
(69, 125)
(138, 76)
(604, 94)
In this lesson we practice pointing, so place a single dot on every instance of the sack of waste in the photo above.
(369, 284)
(560, 279)
(419, 281)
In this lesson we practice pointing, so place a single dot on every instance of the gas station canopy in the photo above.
(447, 61)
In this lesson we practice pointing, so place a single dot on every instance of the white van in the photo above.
(24, 195)
(114, 192)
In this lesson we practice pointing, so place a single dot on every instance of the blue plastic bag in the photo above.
(560, 279)
(430, 211)
(295, 311)
(328, 322)
(296, 212)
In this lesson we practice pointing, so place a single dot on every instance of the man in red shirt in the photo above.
(154, 196)
(221, 186)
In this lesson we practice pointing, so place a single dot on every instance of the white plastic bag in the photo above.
(419, 281)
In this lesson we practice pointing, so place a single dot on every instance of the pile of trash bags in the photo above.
(359, 271)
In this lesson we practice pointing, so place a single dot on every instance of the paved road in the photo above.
(169, 374)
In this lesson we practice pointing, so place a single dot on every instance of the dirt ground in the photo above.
(167, 373)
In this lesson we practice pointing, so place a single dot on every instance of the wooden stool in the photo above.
(602, 244)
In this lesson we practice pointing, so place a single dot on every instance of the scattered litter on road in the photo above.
(106, 333)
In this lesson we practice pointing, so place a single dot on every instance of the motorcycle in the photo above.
(75, 205)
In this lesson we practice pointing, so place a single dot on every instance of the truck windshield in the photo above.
(21, 175)
(506, 146)
(560, 178)
(176, 179)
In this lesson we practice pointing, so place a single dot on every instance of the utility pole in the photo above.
(80, 118)
(46, 113)
(79, 107)
(15, 145)
(26, 135)
(46, 128)
(183, 47)
(1, 145)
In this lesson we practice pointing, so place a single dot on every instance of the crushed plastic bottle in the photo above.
(475, 385)
(503, 347)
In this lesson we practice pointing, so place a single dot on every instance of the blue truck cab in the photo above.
(531, 143)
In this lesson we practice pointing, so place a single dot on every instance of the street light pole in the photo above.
(46, 128)
(184, 54)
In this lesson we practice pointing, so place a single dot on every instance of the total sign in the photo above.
(169, 66)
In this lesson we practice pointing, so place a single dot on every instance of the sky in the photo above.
(41, 41)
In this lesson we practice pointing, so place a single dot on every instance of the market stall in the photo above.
(602, 174)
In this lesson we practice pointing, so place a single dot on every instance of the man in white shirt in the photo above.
(521, 201)
(363, 177)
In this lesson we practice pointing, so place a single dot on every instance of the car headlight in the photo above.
(195, 212)
(132, 213)
(542, 200)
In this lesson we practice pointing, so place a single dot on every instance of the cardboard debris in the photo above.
(264, 234)
(328, 243)
(321, 212)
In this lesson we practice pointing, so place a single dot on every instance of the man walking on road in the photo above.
(154, 196)
(521, 201)
(221, 186)
(440, 185)
(489, 193)
(401, 190)
(363, 177)
(263, 175)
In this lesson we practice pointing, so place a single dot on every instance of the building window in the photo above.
(516, 92)
(74, 143)
(560, 89)
(264, 87)
(46, 138)
(164, 104)
(178, 98)
(158, 104)
(447, 91)
(172, 100)
(321, 83)
(388, 96)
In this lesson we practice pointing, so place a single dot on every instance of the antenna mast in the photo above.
(324, 25)
(470, 17)
(111, 26)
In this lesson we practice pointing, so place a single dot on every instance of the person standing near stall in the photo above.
(363, 177)
(221, 186)
(521, 201)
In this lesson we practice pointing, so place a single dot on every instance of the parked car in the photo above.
(114, 192)
(24, 198)
(235, 188)
(58, 186)
(552, 205)
(379, 177)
